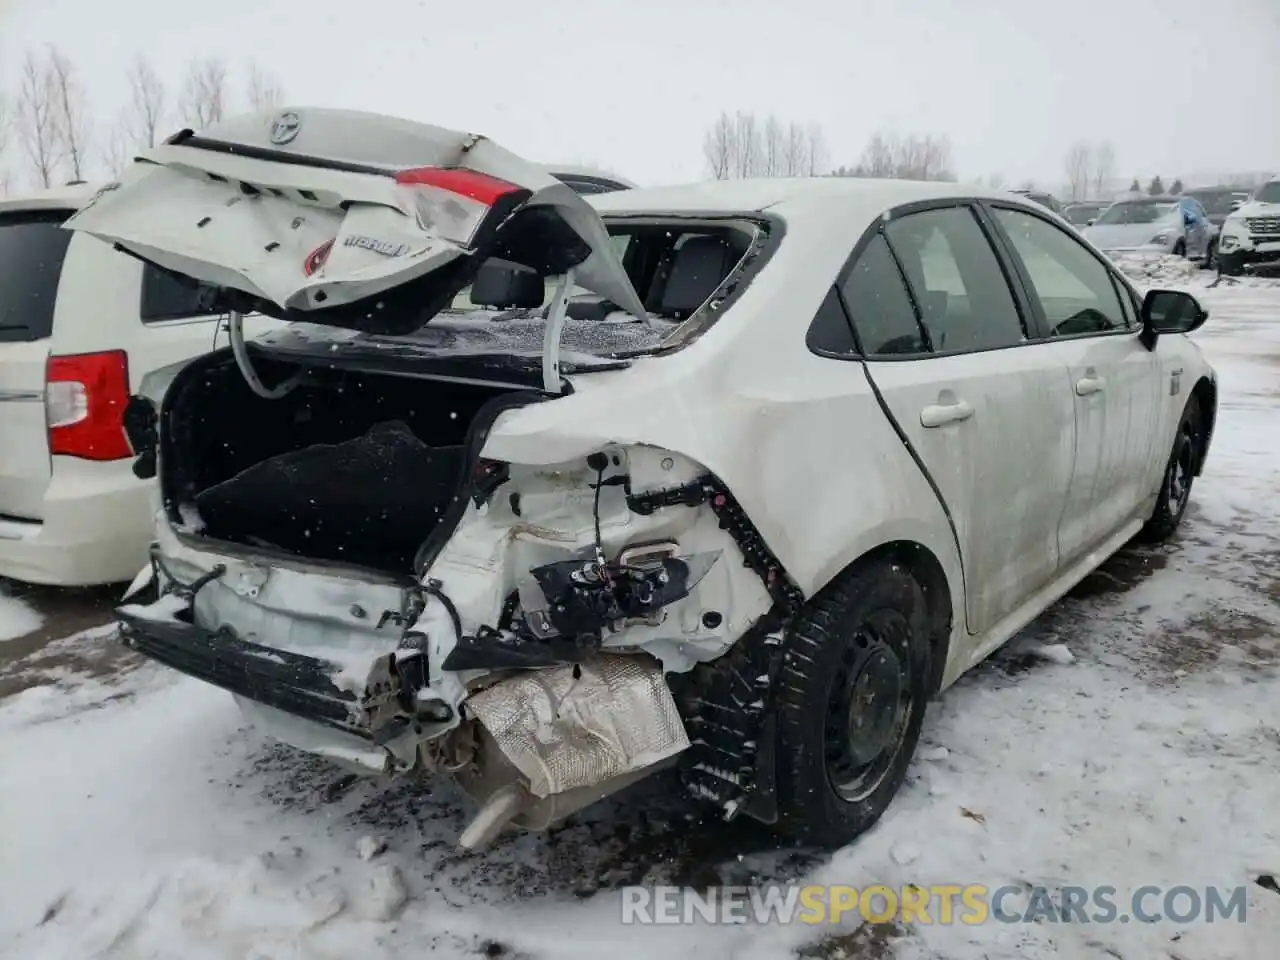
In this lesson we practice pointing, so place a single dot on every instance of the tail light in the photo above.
(85, 398)
(454, 204)
(465, 183)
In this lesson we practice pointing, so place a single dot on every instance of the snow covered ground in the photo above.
(17, 617)
(1130, 737)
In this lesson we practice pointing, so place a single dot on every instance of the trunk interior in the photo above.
(349, 467)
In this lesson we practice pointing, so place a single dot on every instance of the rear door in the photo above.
(32, 248)
(983, 406)
(1114, 379)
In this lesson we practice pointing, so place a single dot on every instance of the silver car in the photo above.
(1177, 225)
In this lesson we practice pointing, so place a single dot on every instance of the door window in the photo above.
(1073, 286)
(879, 305)
(956, 281)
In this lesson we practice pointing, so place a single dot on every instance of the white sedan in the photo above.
(551, 493)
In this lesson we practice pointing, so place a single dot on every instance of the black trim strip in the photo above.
(283, 156)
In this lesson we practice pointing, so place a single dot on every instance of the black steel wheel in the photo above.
(854, 688)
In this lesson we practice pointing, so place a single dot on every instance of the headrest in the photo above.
(505, 285)
(699, 267)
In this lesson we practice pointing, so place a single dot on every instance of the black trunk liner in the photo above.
(369, 501)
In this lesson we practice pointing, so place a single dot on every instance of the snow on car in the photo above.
(551, 494)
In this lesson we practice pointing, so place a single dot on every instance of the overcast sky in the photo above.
(1181, 86)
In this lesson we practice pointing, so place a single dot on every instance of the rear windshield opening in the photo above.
(676, 268)
(32, 248)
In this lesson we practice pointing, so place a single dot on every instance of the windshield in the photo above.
(1270, 193)
(1137, 211)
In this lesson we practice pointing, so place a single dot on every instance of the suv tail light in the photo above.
(85, 398)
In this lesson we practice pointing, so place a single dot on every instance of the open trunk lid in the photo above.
(349, 219)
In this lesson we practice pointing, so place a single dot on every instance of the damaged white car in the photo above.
(551, 493)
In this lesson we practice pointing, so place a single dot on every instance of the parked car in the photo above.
(553, 544)
(1218, 202)
(1176, 225)
(1044, 199)
(1251, 233)
(80, 326)
(1084, 213)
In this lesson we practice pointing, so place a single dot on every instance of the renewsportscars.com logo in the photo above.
(943, 904)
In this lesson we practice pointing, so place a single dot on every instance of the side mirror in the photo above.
(1170, 311)
(1091, 221)
(1236, 205)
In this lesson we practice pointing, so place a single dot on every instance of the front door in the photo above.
(1114, 379)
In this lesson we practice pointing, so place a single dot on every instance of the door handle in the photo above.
(938, 414)
(1088, 385)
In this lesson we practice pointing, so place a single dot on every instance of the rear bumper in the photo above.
(97, 527)
(298, 685)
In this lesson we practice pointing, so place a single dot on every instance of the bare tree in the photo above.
(795, 151)
(204, 93)
(37, 121)
(889, 156)
(1104, 164)
(1077, 165)
(6, 131)
(748, 148)
(70, 112)
(145, 112)
(815, 150)
(263, 91)
(717, 146)
(741, 145)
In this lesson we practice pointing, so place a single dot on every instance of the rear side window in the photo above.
(956, 280)
(165, 297)
(879, 306)
(32, 248)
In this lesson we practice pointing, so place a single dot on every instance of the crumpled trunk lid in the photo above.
(345, 218)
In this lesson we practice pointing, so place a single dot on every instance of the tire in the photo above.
(1179, 473)
(867, 633)
(1210, 256)
(1229, 266)
(1180, 249)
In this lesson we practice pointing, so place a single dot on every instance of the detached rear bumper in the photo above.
(294, 684)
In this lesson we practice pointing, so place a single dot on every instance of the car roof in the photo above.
(69, 196)
(783, 195)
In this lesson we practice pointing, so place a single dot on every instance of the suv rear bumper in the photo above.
(98, 523)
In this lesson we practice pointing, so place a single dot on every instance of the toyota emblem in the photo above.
(284, 128)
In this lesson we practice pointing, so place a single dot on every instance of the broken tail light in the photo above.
(85, 398)
(455, 204)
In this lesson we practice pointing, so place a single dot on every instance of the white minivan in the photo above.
(80, 325)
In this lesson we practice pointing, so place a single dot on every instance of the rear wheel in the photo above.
(1210, 255)
(852, 698)
(1229, 266)
(1179, 473)
(1180, 249)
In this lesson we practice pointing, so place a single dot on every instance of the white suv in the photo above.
(1251, 234)
(80, 325)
